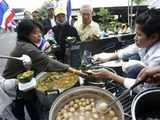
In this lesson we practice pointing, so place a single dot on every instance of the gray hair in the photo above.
(86, 8)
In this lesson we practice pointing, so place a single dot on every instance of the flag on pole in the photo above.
(6, 14)
(69, 10)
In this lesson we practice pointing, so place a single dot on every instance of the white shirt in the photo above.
(150, 57)
(53, 23)
(89, 30)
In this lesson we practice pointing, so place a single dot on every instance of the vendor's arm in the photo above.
(110, 75)
(120, 54)
(127, 82)
(105, 57)
(42, 62)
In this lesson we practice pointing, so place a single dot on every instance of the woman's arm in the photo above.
(127, 82)
(111, 75)
(105, 57)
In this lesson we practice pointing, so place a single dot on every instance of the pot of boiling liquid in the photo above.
(79, 103)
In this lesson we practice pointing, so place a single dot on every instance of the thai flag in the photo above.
(6, 14)
(69, 10)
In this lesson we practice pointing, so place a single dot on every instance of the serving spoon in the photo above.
(24, 58)
(103, 106)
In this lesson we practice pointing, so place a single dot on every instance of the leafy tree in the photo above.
(107, 21)
(138, 2)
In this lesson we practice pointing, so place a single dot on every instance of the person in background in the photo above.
(49, 22)
(61, 31)
(37, 17)
(27, 15)
(73, 20)
(28, 33)
(87, 28)
(124, 29)
(147, 45)
(42, 44)
(116, 29)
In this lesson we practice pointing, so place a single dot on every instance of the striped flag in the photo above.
(6, 14)
(69, 10)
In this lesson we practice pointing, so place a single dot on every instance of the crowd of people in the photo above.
(30, 37)
(31, 41)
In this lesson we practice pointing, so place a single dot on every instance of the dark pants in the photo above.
(18, 109)
(134, 70)
(31, 105)
(131, 57)
(60, 55)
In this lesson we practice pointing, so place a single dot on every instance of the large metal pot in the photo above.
(146, 106)
(83, 92)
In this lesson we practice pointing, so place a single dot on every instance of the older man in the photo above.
(87, 28)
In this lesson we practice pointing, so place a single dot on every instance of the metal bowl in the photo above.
(85, 92)
(46, 98)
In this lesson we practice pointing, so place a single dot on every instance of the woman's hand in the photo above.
(101, 60)
(150, 74)
(103, 74)
(77, 72)
(105, 57)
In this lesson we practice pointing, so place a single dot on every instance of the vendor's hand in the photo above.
(105, 57)
(70, 69)
(78, 72)
(101, 60)
(156, 77)
(150, 74)
(103, 74)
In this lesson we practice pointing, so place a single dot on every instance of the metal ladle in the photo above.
(103, 107)
(25, 59)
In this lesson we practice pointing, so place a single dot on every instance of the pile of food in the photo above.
(25, 76)
(84, 109)
(57, 80)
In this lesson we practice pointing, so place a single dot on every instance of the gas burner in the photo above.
(126, 101)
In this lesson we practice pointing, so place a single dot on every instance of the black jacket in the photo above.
(40, 61)
(47, 25)
(60, 34)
